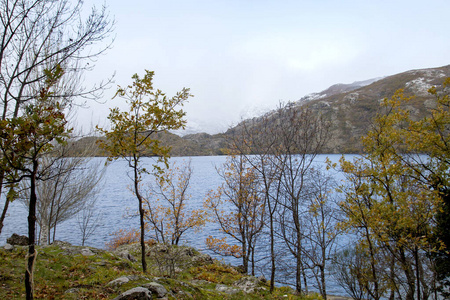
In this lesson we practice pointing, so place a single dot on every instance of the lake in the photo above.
(116, 199)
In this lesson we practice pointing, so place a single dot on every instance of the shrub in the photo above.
(122, 237)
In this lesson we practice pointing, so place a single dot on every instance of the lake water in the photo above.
(115, 199)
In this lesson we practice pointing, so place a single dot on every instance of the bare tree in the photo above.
(301, 135)
(38, 35)
(88, 220)
(321, 223)
(166, 208)
(238, 209)
(256, 140)
(72, 182)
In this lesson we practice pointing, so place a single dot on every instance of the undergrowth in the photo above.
(59, 275)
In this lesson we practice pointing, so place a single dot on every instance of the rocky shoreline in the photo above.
(172, 264)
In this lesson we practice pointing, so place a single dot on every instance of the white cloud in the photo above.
(240, 57)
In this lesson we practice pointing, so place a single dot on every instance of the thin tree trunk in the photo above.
(253, 261)
(5, 207)
(416, 258)
(409, 273)
(272, 254)
(298, 274)
(141, 215)
(29, 285)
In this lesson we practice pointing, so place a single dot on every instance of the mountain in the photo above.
(350, 109)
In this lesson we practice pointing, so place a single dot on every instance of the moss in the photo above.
(62, 276)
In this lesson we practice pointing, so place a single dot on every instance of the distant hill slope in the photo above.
(351, 112)
(350, 108)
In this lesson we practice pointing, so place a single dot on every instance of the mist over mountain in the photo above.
(350, 109)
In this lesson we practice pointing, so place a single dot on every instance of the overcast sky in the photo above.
(242, 57)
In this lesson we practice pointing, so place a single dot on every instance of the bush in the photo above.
(123, 237)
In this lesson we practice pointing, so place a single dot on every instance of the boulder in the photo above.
(125, 254)
(72, 291)
(18, 240)
(121, 280)
(87, 252)
(8, 247)
(202, 259)
(226, 289)
(61, 243)
(248, 284)
(156, 288)
(138, 293)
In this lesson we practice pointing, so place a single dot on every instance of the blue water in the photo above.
(116, 200)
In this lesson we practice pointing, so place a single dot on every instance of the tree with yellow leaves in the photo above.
(238, 208)
(396, 191)
(132, 133)
(25, 140)
(166, 210)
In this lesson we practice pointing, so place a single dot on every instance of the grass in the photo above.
(58, 272)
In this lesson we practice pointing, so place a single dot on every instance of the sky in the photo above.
(241, 58)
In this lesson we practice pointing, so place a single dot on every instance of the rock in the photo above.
(126, 255)
(8, 247)
(61, 243)
(156, 288)
(138, 293)
(188, 251)
(162, 248)
(248, 284)
(87, 252)
(19, 240)
(133, 277)
(203, 259)
(72, 291)
(119, 281)
(226, 289)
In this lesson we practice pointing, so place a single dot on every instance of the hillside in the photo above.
(349, 108)
(64, 271)
(351, 112)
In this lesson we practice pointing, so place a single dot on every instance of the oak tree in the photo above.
(402, 183)
(132, 135)
(24, 142)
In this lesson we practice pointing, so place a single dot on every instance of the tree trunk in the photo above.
(409, 273)
(5, 207)
(298, 276)
(245, 256)
(272, 255)
(416, 258)
(29, 284)
(141, 215)
(43, 234)
(253, 261)
(323, 290)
